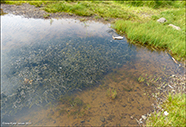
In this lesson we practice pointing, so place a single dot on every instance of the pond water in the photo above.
(67, 72)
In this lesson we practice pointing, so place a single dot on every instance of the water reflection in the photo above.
(42, 62)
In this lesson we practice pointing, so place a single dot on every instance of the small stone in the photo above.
(173, 76)
(161, 20)
(131, 117)
(166, 113)
(140, 122)
(144, 117)
(124, 105)
(102, 119)
(82, 121)
(175, 27)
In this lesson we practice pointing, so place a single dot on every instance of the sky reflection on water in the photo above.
(44, 59)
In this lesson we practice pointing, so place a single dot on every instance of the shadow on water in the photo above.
(67, 72)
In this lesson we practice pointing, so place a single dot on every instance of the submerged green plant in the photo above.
(112, 93)
(141, 79)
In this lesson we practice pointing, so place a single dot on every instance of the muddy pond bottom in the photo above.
(98, 106)
(63, 72)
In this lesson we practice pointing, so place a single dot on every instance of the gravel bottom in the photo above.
(175, 84)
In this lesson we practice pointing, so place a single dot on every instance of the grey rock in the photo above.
(175, 27)
(161, 20)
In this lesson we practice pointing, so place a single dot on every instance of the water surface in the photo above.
(59, 72)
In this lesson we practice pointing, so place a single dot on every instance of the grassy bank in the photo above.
(173, 114)
(158, 35)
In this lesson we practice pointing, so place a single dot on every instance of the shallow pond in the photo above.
(67, 72)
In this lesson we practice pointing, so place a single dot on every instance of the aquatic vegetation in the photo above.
(112, 93)
(87, 107)
(74, 106)
(141, 79)
(41, 73)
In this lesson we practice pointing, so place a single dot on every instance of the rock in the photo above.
(173, 76)
(124, 105)
(140, 122)
(102, 119)
(175, 27)
(161, 20)
(144, 117)
(82, 121)
(166, 113)
(132, 117)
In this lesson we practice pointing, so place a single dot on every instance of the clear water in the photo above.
(58, 72)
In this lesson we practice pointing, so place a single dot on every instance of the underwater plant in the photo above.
(141, 79)
(112, 93)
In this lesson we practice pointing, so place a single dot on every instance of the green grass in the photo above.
(153, 3)
(136, 18)
(154, 34)
(88, 8)
(175, 106)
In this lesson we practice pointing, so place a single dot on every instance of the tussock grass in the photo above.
(175, 106)
(153, 3)
(154, 34)
(88, 8)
